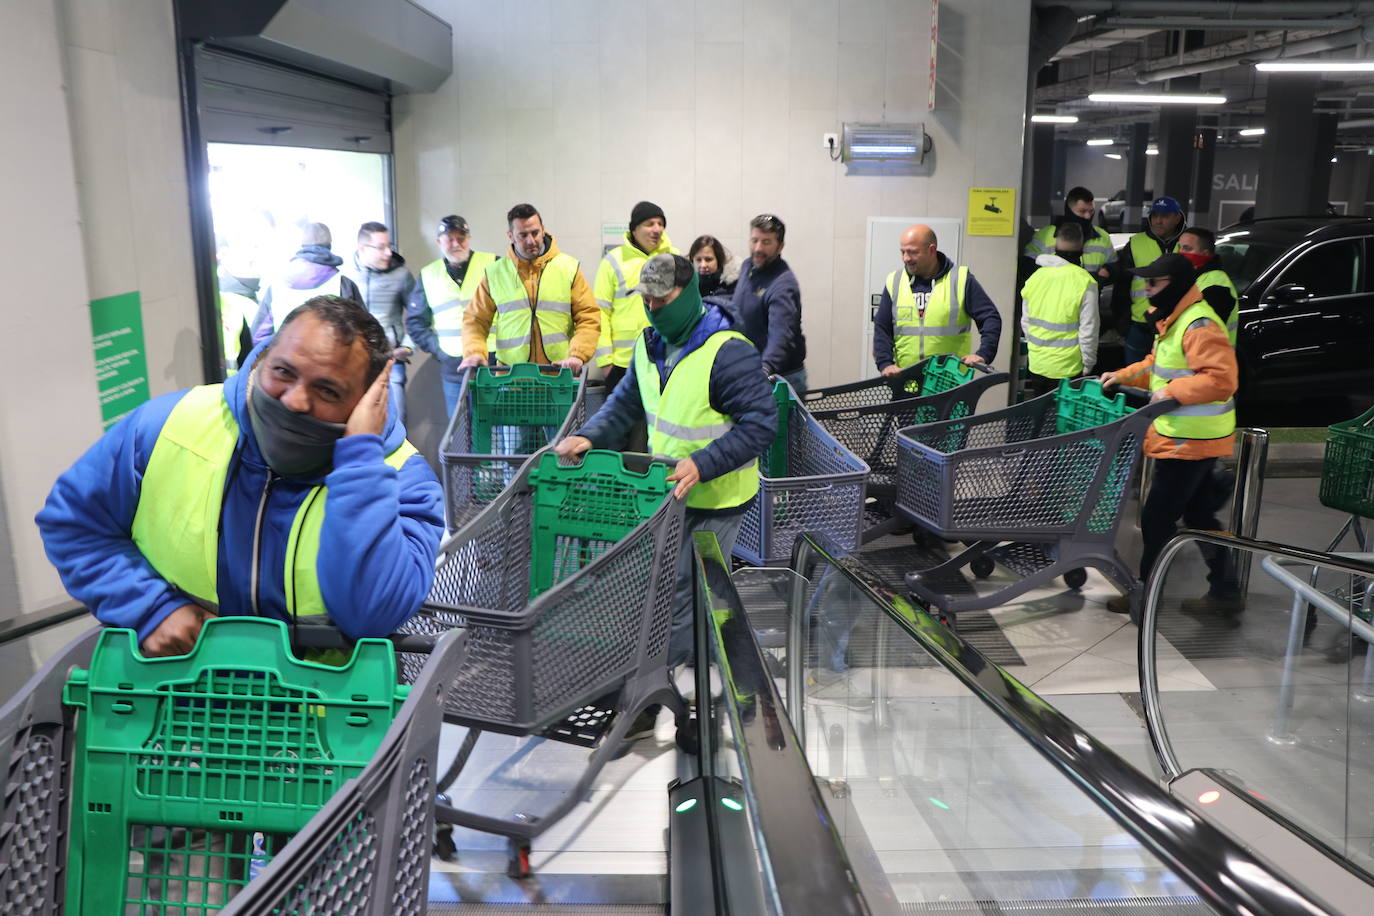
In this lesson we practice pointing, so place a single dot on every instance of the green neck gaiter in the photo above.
(676, 320)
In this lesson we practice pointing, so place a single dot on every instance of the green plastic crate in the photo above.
(1083, 408)
(191, 771)
(522, 395)
(944, 372)
(582, 510)
(1348, 467)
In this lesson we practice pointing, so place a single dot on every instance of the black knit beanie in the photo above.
(644, 210)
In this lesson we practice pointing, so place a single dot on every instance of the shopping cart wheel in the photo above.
(982, 567)
(518, 861)
(686, 737)
(444, 847)
(1075, 578)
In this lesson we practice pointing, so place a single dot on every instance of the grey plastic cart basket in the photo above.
(1038, 502)
(472, 480)
(864, 417)
(368, 850)
(36, 744)
(823, 491)
(598, 638)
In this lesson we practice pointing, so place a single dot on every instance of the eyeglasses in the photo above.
(378, 247)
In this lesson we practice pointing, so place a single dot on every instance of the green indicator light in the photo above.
(937, 803)
(732, 804)
(688, 805)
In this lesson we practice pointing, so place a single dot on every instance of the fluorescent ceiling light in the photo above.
(1252, 132)
(1156, 98)
(1053, 119)
(1113, 155)
(1315, 65)
(1152, 151)
(1333, 158)
(1101, 141)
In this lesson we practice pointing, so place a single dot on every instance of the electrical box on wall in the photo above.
(885, 145)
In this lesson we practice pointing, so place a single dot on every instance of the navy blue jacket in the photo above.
(977, 303)
(767, 310)
(739, 389)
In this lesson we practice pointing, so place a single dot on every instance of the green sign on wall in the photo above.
(121, 361)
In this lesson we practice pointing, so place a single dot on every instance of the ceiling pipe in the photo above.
(1293, 49)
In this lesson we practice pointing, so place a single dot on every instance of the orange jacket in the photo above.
(586, 314)
(1210, 355)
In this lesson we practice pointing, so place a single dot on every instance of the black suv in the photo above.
(1306, 304)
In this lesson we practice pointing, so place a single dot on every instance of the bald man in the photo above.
(929, 307)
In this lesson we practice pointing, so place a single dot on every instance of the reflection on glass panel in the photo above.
(939, 802)
(262, 198)
(1284, 695)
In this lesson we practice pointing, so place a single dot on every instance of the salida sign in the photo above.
(1235, 181)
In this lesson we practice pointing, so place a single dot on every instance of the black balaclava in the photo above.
(1089, 232)
(1163, 303)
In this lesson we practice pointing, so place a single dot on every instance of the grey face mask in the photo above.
(293, 444)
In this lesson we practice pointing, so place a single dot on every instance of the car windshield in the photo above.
(1245, 259)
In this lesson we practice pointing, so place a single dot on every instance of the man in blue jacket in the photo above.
(767, 303)
(287, 492)
(691, 376)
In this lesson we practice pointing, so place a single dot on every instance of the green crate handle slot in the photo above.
(1080, 408)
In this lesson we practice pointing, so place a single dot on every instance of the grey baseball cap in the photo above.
(656, 277)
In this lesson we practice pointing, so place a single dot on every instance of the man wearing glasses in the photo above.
(384, 285)
(767, 303)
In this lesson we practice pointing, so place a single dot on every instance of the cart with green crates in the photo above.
(170, 784)
(503, 415)
(1037, 487)
(564, 586)
(864, 418)
(808, 482)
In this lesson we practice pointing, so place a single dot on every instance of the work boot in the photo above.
(1213, 604)
(1121, 604)
(644, 724)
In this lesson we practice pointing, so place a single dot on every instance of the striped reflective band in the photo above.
(689, 433)
(554, 338)
(620, 344)
(1162, 372)
(602, 351)
(1056, 342)
(938, 330)
(605, 304)
(549, 305)
(1204, 410)
(512, 305)
(1053, 325)
(510, 343)
(1139, 294)
(444, 307)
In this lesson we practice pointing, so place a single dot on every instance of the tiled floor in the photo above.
(955, 805)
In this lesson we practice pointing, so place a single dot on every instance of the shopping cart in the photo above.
(865, 416)
(564, 584)
(169, 784)
(504, 414)
(807, 482)
(1037, 487)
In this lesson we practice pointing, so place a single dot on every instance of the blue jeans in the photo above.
(681, 641)
(452, 388)
(1139, 340)
(397, 385)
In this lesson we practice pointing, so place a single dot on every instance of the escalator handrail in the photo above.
(1221, 871)
(1149, 670)
(807, 868)
(16, 628)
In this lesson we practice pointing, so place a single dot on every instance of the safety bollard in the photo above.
(1251, 457)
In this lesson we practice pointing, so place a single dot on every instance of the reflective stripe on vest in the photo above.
(1144, 250)
(1097, 248)
(552, 309)
(447, 299)
(1053, 299)
(1217, 277)
(623, 318)
(943, 328)
(176, 523)
(682, 421)
(1195, 421)
(286, 300)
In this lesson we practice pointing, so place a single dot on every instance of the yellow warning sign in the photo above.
(991, 211)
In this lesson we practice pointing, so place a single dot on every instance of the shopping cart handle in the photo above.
(982, 367)
(1131, 391)
(316, 636)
